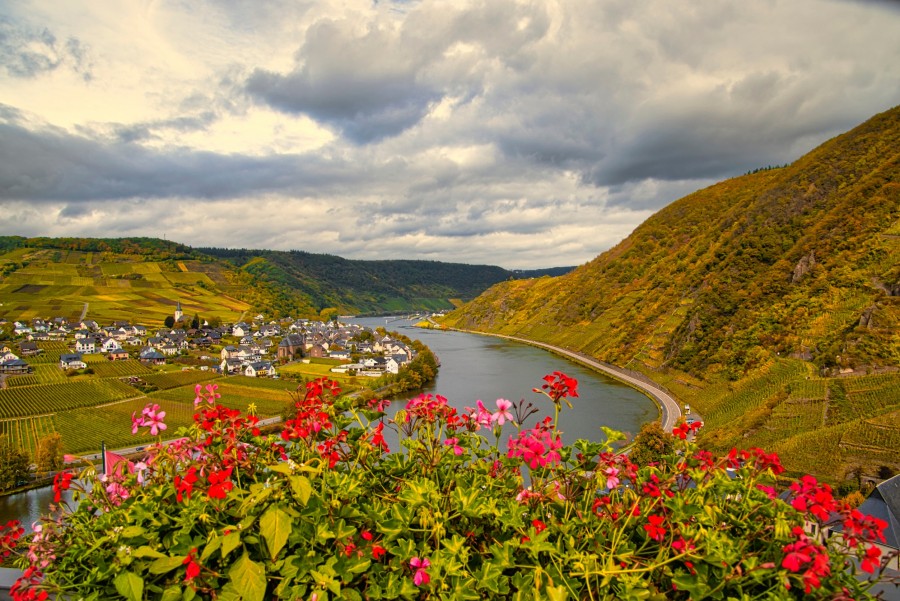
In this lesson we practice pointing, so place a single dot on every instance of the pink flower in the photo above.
(209, 397)
(136, 422)
(117, 493)
(481, 415)
(503, 414)
(153, 419)
(420, 565)
(454, 442)
(612, 477)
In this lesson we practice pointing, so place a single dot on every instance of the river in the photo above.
(477, 367)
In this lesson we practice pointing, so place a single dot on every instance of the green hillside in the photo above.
(141, 279)
(754, 300)
(366, 286)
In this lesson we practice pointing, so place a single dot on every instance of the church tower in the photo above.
(178, 312)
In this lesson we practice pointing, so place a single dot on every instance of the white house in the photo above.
(259, 368)
(109, 344)
(71, 361)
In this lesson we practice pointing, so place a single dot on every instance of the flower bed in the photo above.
(326, 511)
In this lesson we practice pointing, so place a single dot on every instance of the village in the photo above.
(254, 349)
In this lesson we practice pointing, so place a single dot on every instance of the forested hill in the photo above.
(366, 286)
(795, 268)
(270, 282)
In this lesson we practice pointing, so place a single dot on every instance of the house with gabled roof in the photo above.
(86, 345)
(16, 366)
(109, 344)
(71, 361)
(151, 356)
(30, 348)
(259, 369)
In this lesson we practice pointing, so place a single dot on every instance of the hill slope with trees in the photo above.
(54, 277)
(749, 298)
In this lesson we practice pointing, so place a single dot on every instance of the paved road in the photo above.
(670, 408)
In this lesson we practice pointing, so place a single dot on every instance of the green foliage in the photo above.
(15, 465)
(48, 456)
(325, 511)
(651, 444)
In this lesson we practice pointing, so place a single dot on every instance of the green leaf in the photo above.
(130, 586)
(230, 542)
(173, 593)
(145, 551)
(275, 526)
(281, 468)
(248, 577)
(302, 488)
(165, 564)
(213, 543)
(132, 531)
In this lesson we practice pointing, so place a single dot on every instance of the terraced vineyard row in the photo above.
(808, 389)
(26, 432)
(789, 419)
(267, 383)
(865, 434)
(118, 369)
(267, 403)
(174, 379)
(83, 432)
(51, 398)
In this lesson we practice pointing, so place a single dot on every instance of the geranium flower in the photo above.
(193, 568)
(421, 576)
(153, 419)
(454, 442)
(654, 528)
(503, 414)
(219, 484)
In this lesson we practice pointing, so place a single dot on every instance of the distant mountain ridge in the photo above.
(794, 269)
(287, 282)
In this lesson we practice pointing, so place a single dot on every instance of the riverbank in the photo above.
(669, 408)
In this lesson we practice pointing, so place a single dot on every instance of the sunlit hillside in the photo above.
(755, 299)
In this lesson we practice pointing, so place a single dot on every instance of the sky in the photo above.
(520, 134)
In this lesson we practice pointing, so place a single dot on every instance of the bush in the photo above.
(325, 511)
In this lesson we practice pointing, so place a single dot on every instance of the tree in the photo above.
(195, 323)
(651, 444)
(48, 456)
(15, 465)
(170, 321)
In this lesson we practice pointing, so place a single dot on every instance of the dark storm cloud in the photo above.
(27, 52)
(52, 165)
(354, 84)
(379, 83)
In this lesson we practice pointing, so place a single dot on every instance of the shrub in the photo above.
(324, 510)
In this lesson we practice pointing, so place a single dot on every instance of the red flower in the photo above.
(655, 529)
(378, 552)
(193, 568)
(219, 484)
(184, 486)
(559, 386)
(61, 482)
(872, 559)
(539, 526)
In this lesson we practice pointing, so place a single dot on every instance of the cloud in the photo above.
(27, 52)
(523, 134)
